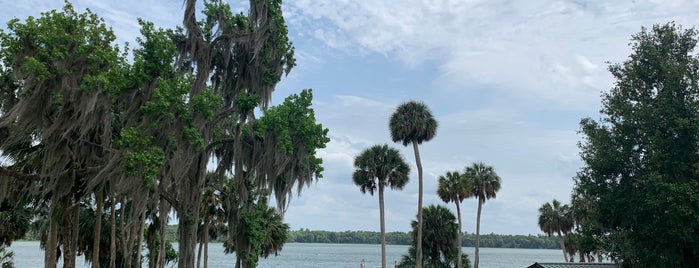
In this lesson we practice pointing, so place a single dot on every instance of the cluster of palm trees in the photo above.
(478, 181)
(567, 222)
(381, 166)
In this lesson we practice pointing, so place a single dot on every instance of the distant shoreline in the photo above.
(397, 238)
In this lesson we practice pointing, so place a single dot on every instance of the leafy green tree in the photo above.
(413, 123)
(376, 168)
(556, 218)
(641, 158)
(56, 104)
(454, 187)
(440, 231)
(79, 123)
(486, 184)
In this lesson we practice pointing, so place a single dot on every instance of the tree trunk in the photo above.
(139, 249)
(563, 246)
(383, 226)
(50, 257)
(201, 247)
(97, 234)
(188, 237)
(188, 210)
(206, 240)
(164, 214)
(112, 238)
(73, 238)
(124, 231)
(418, 252)
(131, 235)
(582, 255)
(458, 213)
(478, 232)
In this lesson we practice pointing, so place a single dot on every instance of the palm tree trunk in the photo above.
(97, 234)
(478, 232)
(563, 246)
(418, 254)
(458, 213)
(383, 226)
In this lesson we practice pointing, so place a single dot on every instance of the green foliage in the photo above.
(260, 232)
(293, 123)
(58, 38)
(141, 156)
(641, 158)
(14, 224)
(379, 166)
(6, 257)
(439, 232)
(412, 122)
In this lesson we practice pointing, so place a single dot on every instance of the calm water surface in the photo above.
(28, 254)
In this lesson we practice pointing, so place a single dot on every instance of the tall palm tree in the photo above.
(555, 218)
(413, 123)
(486, 183)
(377, 167)
(454, 187)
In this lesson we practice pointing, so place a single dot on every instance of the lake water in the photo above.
(28, 254)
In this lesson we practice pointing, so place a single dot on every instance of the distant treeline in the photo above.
(403, 238)
(392, 238)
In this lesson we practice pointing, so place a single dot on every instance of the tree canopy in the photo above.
(89, 135)
(641, 157)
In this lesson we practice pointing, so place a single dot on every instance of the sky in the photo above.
(507, 81)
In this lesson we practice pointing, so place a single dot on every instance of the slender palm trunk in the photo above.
(478, 232)
(383, 227)
(97, 234)
(458, 213)
(563, 247)
(418, 254)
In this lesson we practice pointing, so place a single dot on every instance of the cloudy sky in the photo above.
(508, 82)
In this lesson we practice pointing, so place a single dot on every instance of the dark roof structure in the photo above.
(574, 265)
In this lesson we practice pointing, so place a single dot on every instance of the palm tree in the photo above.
(453, 187)
(377, 167)
(486, 183)
(440, 230)
(413, 123)
(555, 218)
